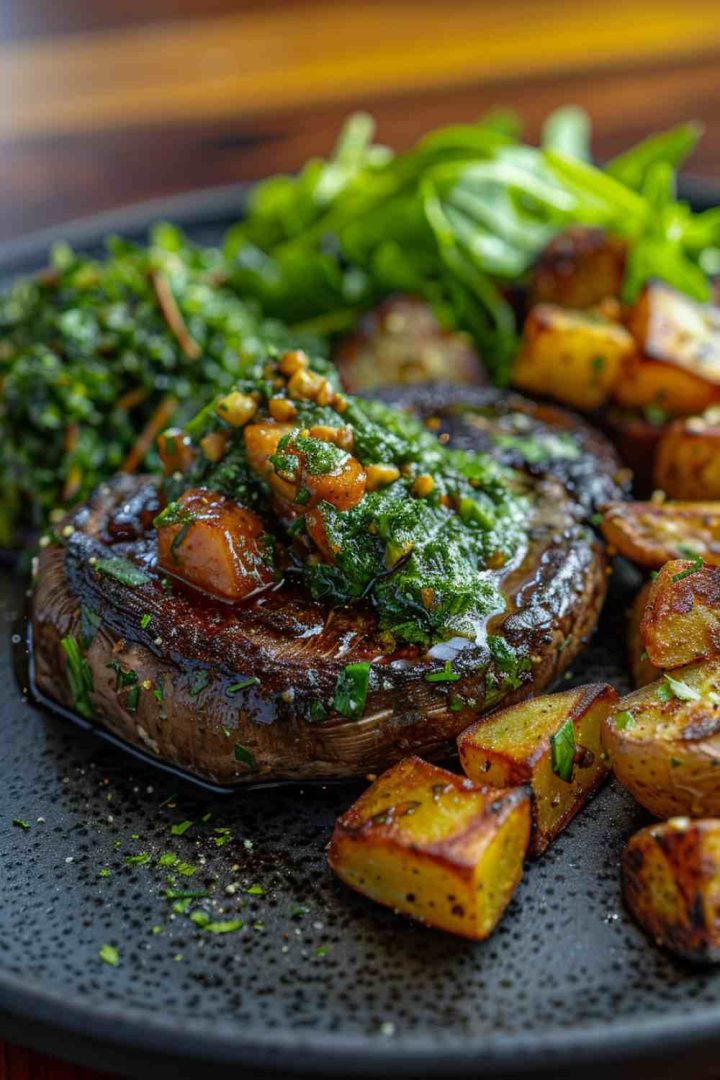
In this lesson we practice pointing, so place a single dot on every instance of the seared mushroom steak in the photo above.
(285, 687)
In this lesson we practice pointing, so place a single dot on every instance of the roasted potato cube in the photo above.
(571, 356)
(679, 348)
(671, 884)
(433, 846)
(681, 621)
(687, 459)
(578, 268)
(652, 533)
(211, 543)
(671, 327)
(662, 387)
(642, 670)
(663, 742)
(401, 341)
(551, 743)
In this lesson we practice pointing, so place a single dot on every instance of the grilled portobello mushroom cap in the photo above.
(263, 691)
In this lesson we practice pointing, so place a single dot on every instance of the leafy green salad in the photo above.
(98, 355)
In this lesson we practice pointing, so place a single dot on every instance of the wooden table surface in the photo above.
(105, 102)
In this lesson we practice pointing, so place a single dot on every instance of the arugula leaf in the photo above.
(673, 146)
(567, 131)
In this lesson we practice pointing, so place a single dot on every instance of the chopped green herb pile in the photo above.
(415, 545)
(93, 350)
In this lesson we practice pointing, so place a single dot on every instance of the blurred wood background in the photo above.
(106, 102)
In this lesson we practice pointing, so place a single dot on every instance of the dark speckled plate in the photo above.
(317, 980)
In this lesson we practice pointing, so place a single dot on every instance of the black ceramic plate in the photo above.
(318, 980)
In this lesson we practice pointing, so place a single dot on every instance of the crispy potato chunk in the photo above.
(678, 365)
(651, 533)
(579, 268)
(642, 670)
(431, 845)
(674, 329)
(671, 884)
(214, 545)
(571, 356)
(687, 460)
(401, 341)
(551, 743)
(681, 621)
(652, 384)
(663, 742)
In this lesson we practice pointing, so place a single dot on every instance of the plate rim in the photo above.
(650, 1038)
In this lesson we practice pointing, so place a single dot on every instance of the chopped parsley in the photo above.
(122, 677)
(79, 676)
(20, 823)
(242, 684)
(255, 890)
(351, 689)
(185, 894)
(181, 828)
(698, 564)
(562, 751)
(145, 620)
(446, 675)
(675, 688)
(625, 719)
(243, 755)
(228, 926)
(109, 955)
(122, 570)
(138, 860)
